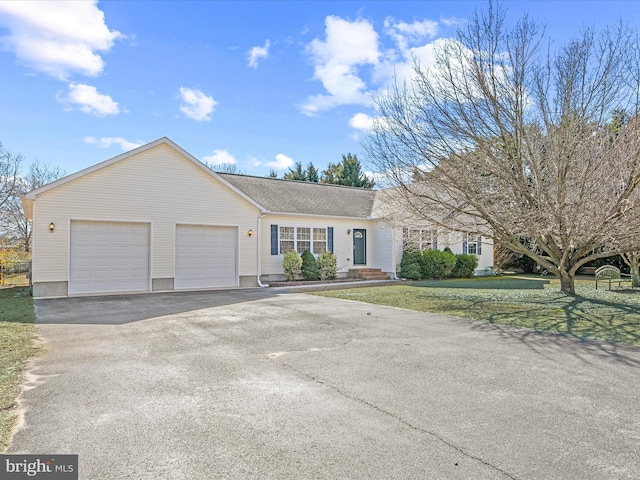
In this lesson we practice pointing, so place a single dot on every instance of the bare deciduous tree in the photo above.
(9, 168)
(505, 136)
(16, 229)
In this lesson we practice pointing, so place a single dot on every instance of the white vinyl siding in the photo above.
(109, 257)
(206, 256)
(158, 186)
(342, 241)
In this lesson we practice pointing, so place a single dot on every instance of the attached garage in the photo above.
(109, 257)
(206, 256)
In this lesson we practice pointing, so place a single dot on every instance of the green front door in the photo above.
(359, 246)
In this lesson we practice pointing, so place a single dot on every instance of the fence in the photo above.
(15, 273)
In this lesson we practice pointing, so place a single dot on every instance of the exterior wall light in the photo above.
(250, 232)
(52, 227)
(348, 231)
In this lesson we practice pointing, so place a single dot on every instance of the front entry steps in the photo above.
(367, 274)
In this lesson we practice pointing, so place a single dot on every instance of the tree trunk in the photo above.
(567, 284)
(635, 274)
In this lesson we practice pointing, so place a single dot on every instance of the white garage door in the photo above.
(109, 257)
(206, 256)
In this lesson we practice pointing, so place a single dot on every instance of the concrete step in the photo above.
(367, 274)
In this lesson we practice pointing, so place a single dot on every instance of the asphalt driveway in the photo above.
(258, 384)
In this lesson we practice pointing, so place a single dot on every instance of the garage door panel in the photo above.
(109, 257)
(206, 256)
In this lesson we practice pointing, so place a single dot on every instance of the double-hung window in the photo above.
(303, 238)
(287, 239)
(472, 242)
(319, 240)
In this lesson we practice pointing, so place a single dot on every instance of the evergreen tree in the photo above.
(349, 172)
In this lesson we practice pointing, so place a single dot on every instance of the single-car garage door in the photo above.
(108, 257)
(206, 256)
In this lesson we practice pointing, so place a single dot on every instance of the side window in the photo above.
(473, 241)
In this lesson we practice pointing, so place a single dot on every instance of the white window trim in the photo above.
(311, 240)
(472, 240)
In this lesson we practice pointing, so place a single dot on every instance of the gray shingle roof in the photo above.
(288, 196)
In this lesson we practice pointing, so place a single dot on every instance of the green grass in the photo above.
(17, 345)
(531, 302)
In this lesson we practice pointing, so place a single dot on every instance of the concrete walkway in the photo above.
(293, 386)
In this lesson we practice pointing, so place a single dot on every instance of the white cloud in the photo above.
(89, 100)
(57, 37)
(281, 162)
(106, 142)
(361, 121)
(406, 34)
(451, 21)
(254, 162)
(220, 157)
(257, 53)
(336, 59)
(196, 105)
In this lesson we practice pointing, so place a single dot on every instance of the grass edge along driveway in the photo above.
(522, 301)
(17, 346)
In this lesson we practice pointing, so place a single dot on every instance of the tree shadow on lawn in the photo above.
(578, 326)
(487, 283)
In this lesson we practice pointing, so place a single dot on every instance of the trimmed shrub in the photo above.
(328, 266)
(437, 264)
(465, 266)
(411, 265)
(309, 266)
(292, 265)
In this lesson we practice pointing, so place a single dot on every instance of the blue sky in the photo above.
(259, 84)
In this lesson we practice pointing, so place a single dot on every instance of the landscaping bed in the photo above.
(300, 283)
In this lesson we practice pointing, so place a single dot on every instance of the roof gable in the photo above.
(29, 197)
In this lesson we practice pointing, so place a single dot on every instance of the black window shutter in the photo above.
(274, 239)
(330, 239)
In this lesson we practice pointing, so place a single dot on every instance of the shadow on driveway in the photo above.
(121, 309)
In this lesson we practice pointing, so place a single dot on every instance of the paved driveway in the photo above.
(253, 384)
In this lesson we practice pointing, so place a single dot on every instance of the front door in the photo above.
(359, 246)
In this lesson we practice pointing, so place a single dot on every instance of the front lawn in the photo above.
(17, 345)
(530, 302)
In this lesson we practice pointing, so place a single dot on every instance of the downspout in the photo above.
(393, 255)
(259, 239)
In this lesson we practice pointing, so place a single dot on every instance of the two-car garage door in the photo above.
(108, 257)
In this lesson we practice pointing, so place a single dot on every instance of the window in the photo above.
(422, 239)
(319, 240)
(303, 235)
(287, 239)
(303, 238)
(472, 241)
